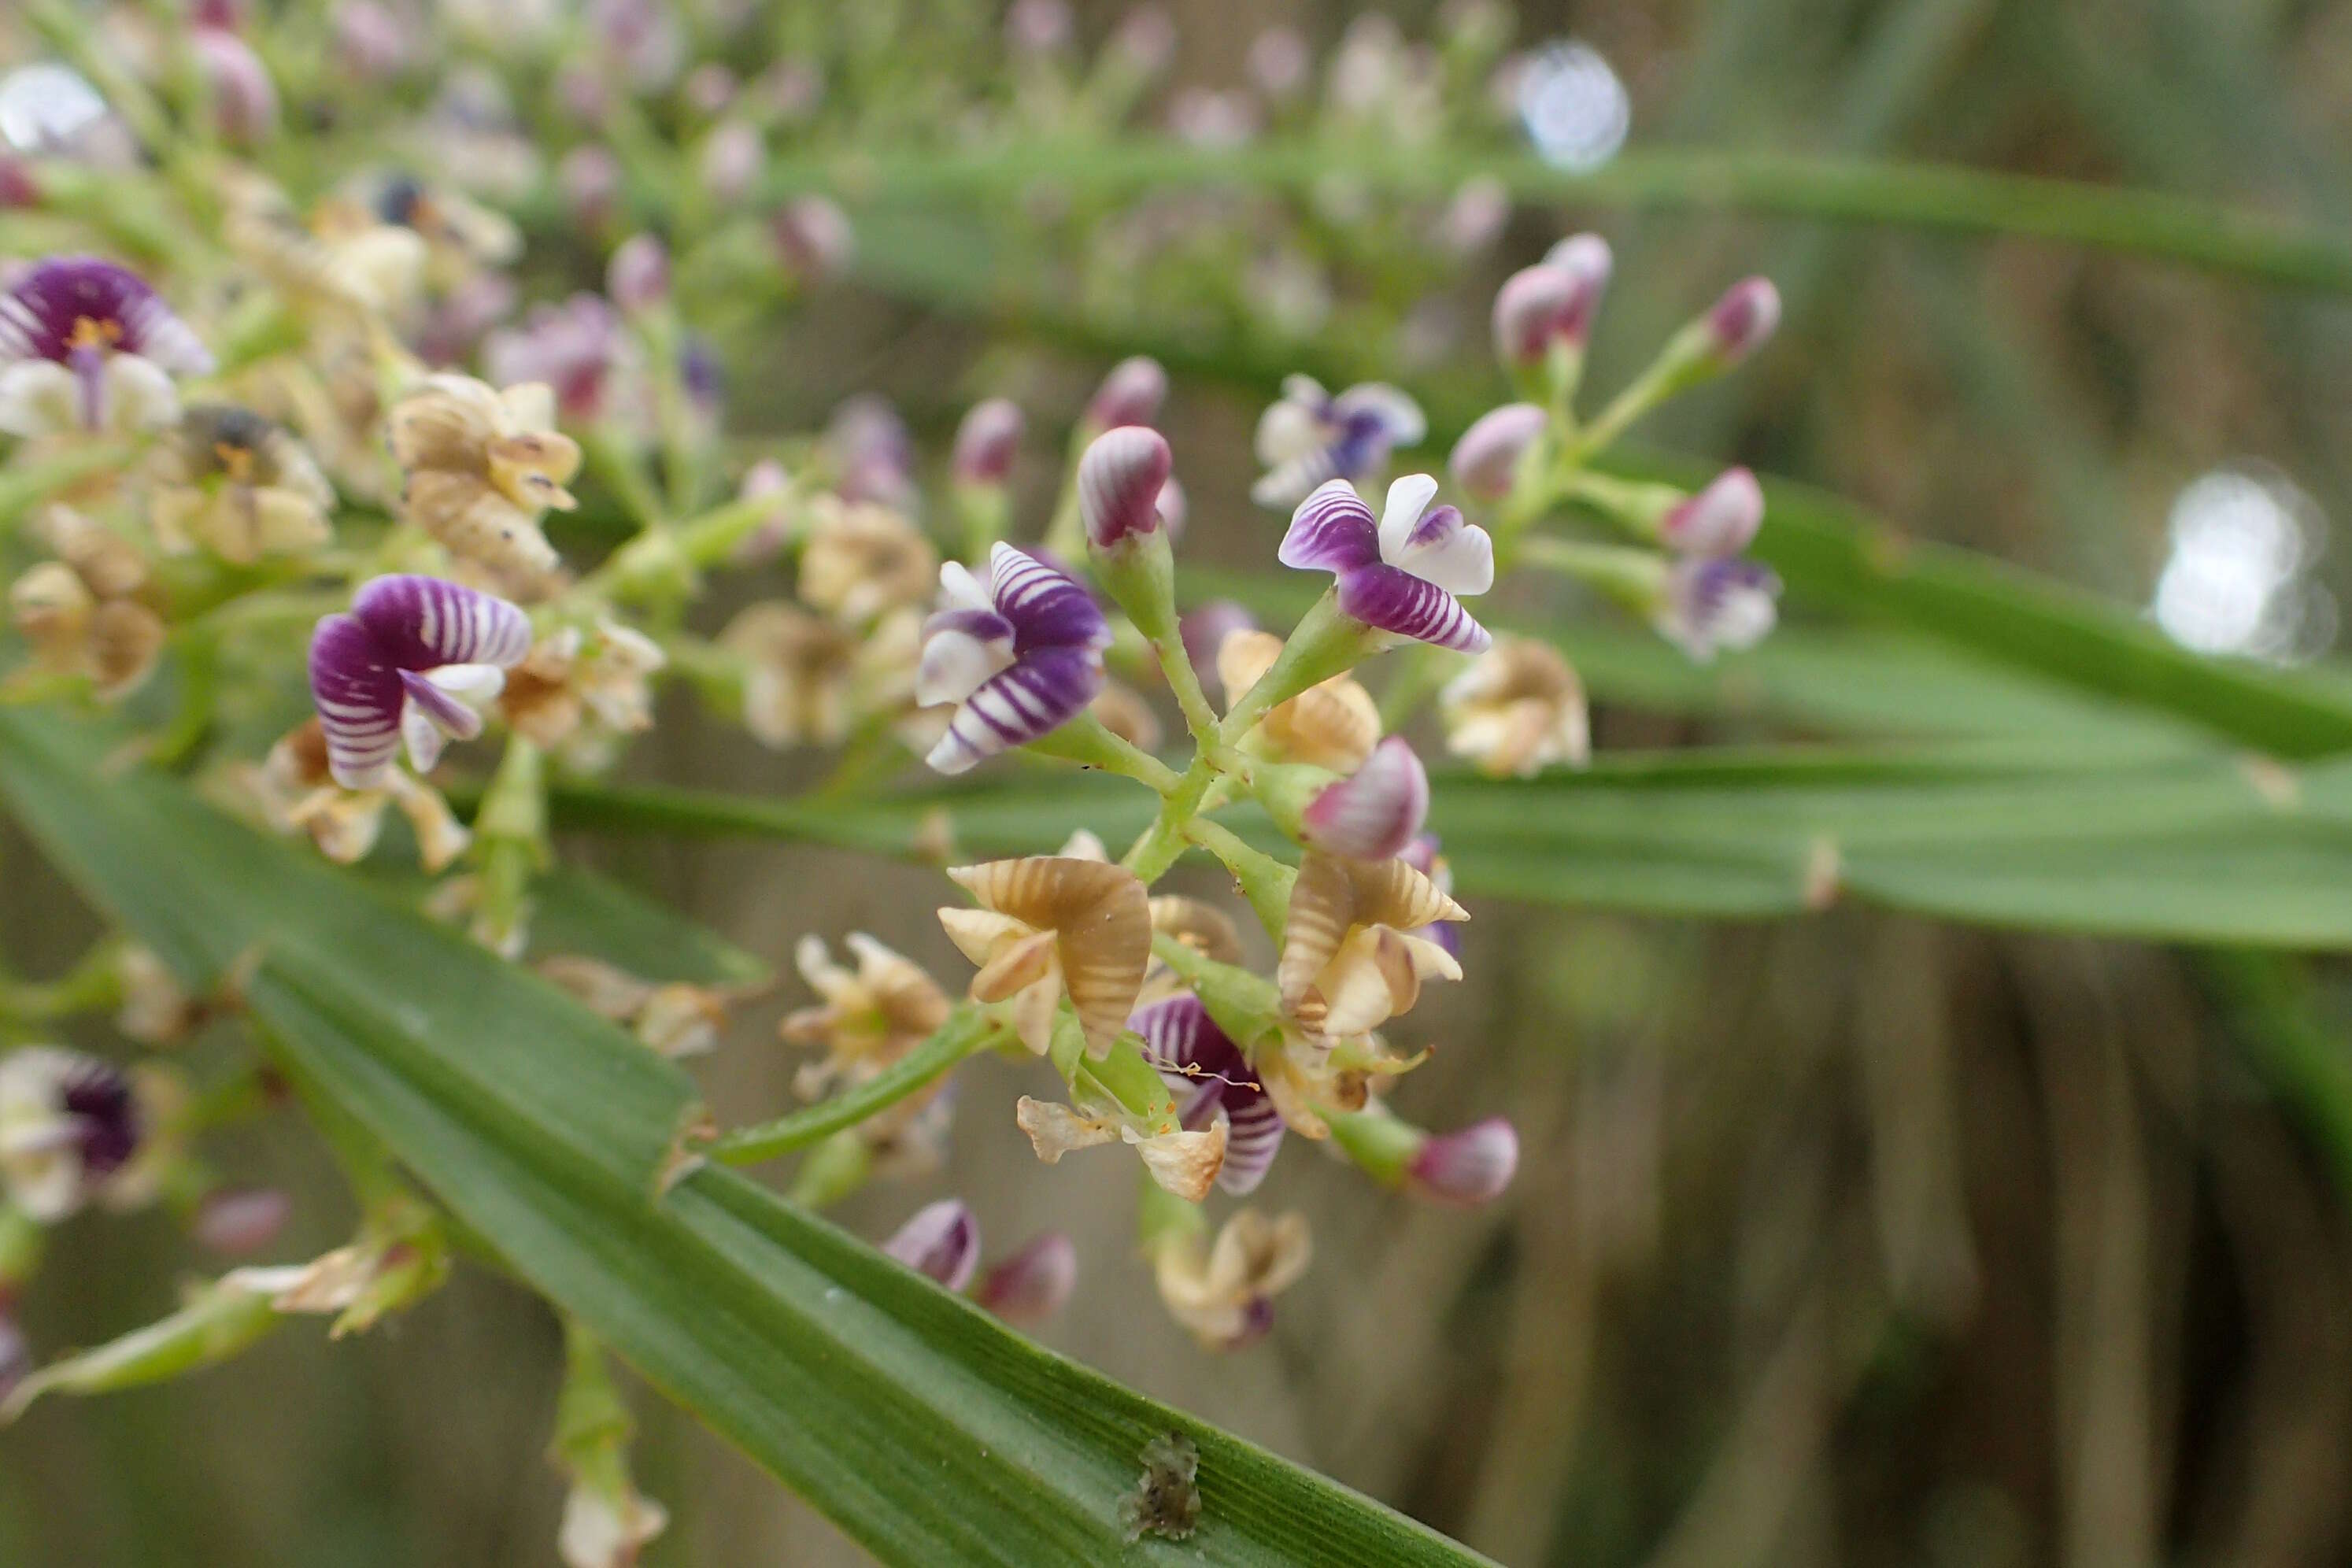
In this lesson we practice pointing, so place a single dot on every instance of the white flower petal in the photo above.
(955, 665)
(1463, 562)
(38, 397)
(1408, 497)
(139, 394)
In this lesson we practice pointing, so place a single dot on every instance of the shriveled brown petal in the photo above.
(1258, 1257)
(608, 991)
(1055, 1129)
(472, 518)
(449, 424)
(1184, 1163)
(1101, 917)
(52, 606)
(1331, 898)
(1017, 966)
(1334, 725)
(1371, 979)
(125, 639)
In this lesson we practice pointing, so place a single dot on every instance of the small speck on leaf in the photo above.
(1166, 1501)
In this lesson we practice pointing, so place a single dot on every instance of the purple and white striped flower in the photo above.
(68, 1123)
(1374, 813)
(86, 345)
(1211, 1078)
(943, 1240)
(1019, 658)
(1122, 480)
(414, 660)
(1312, 435)
(1470, 1167)
(1405, 574)
(1709, 603)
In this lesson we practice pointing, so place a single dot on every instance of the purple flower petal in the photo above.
(1721, 519)
(943, 1240)
(448, 714)
(80, 302)
(1207, 1073)
(1120, 481)
(1044, 689)
(357, 691)
(423, 622)
(105, 1114)
(1374, 813)
(1393, 600)
(1332, 531)
(1047, 607)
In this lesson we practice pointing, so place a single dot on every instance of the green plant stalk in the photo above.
(967, 1033)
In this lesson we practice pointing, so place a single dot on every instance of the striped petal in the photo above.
(942, 1241)
(1394, 600)
(1373, 814)
(422, 622)
(1207, 1075)
(1038, 692)
(357, 690)
(1332, 531)
(1047, 607)
(1120, 481)
(1101, 919)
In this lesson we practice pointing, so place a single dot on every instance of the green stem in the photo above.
(967, 1032)
(1265, 881)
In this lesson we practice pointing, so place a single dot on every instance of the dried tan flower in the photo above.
(231, 482)
(481, 467)
(863, 560)
(1351, 960)
(866, 1018)
(1049, 924)
(1222, 1290)
(1518, 709)
(1334, 725)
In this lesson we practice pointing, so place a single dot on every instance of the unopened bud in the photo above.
(1037, 27)
(245, 98)
(812, 238)
(1485, 461)
(987, 442)
(639, 276)
(1744, 318)
(1720, 520)
(590, 179)
(1035, 1283)
(1372, 814)
(1552, 302)
(1145, 39)
(1120, 481)
(732, 157)
(1467, 1167)
(942, 1241)
(1131, 395)
(370, 41)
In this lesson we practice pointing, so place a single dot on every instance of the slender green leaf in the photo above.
(918, 1424)
(577, 911)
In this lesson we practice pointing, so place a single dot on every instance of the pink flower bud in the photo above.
(1277, 61)
(1204, 629)
(1467, 1167)
(732, 157)
(812, 238)
(590, 179)
(1146, 39)
(1037, 27)
(638, 276)
(1131, 395)
(1374, 813)
(987, 442)
(1485, 461)
(709, 89)
(245, 98)
(943, 1240)
(1474, 220)
(1745, 316)
(1720, 520)
(1173, 509)
(238, 1222)
(1120, 481)
(370, 41)
(1552, 300)
(1035, 1283)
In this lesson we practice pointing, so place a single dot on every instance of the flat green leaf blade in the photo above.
(923, 1427)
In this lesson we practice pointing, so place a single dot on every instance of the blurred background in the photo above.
(1860, 1238)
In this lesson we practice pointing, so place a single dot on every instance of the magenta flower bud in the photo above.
(1277, 62)
(589, 180)
(1374, 813)
(639, 276)
(1173, 509)
(1146, 39)
(732, 159)
(943, 1240)
(370, 41)
(1468, 1167)
(987, 442)
(1120, 481)
(1485, 461)
(240, 1221)
(1552, 302)
(1037, 27)
(1204, 629)
(1131, 395)
(1035, 1283)
(709, 89)
(1721, 520)
(228, 16)
(245, 98)
(812, 238)
(1745, 316)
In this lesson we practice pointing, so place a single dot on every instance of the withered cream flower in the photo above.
(1049, 925)
(481, 467)
(1223, 1291)
(809, 681)
(1349, 958)
(237, 484)
(294, 792)
(1516, 709)
(867, 1018)
(1185, 1161)
(86, 612)
(671, 1018)
(862, 560)
(1334, 725)
(571, 679)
